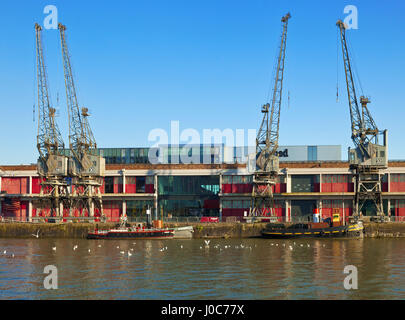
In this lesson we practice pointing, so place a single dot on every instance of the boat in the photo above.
(139, 231)
(183, 232)
(313, 229)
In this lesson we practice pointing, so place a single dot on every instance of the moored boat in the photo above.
(183, 232)
(136, 232)
(319, 229)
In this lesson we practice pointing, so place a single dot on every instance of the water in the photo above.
(259, 270)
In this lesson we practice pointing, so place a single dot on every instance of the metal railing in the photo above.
(185, 219)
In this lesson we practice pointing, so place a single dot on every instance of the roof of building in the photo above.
(146, 166)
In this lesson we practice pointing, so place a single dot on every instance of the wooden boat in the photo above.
(136, 232)
(320, 229)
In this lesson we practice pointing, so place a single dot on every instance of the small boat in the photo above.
(314, 229)
(135, 232)
(183, 232)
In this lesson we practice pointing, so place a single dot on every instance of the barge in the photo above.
(309, 230)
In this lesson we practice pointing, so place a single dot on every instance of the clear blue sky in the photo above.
(207, 63)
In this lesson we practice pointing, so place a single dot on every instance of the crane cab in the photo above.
(53, 165)
(378, 155)
(94, 165)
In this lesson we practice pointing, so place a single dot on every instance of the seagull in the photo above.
(122, 252)
(89, 250)
(308, 245)
(36, 235)
(181, 247)
(75, 247)
(118, 247)
(207, 242)
(129, 254)
(99, 245)
(301, 245)
(290, 247)
(5, 251)
(131, 249)
(54, 248)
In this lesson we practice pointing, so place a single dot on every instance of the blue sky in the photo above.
(206, 63)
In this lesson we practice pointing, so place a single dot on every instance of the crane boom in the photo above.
(267, 137)
(86, 166)
(77, 141)
(267, 162)
(49, 139)
(368, 157)
(364, 129)
(52, 164)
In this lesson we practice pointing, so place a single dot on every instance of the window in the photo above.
(109, 185)
(140, 185)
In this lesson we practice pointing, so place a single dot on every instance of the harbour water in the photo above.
(188, 269)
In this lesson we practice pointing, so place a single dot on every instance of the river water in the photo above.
(187, 269)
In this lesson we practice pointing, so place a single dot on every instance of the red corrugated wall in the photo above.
(337, 183)
(399, 207)
(14, 185)
(328, 207)
(130, 184)
(397, 182)
(243, 184)
(112, 210)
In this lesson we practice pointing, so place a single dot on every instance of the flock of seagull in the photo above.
(206, 246)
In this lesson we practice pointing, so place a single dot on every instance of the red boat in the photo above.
(137, 232)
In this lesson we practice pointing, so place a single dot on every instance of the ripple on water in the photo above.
(235, 272)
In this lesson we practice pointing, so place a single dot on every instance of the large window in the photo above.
(188, 185)
(192, 207)
(138, 207)
(304, 183)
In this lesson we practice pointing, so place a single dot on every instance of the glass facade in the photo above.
(188, 195)
(302, 209)
(137, 208)
(188, 185)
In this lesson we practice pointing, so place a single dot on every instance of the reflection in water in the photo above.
(244, 269)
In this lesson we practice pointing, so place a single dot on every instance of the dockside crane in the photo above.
(369, 158)
(86, 167)
(52, 165)
(267, 161)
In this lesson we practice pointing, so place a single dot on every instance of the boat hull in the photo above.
(353, 231)
(122, 235)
